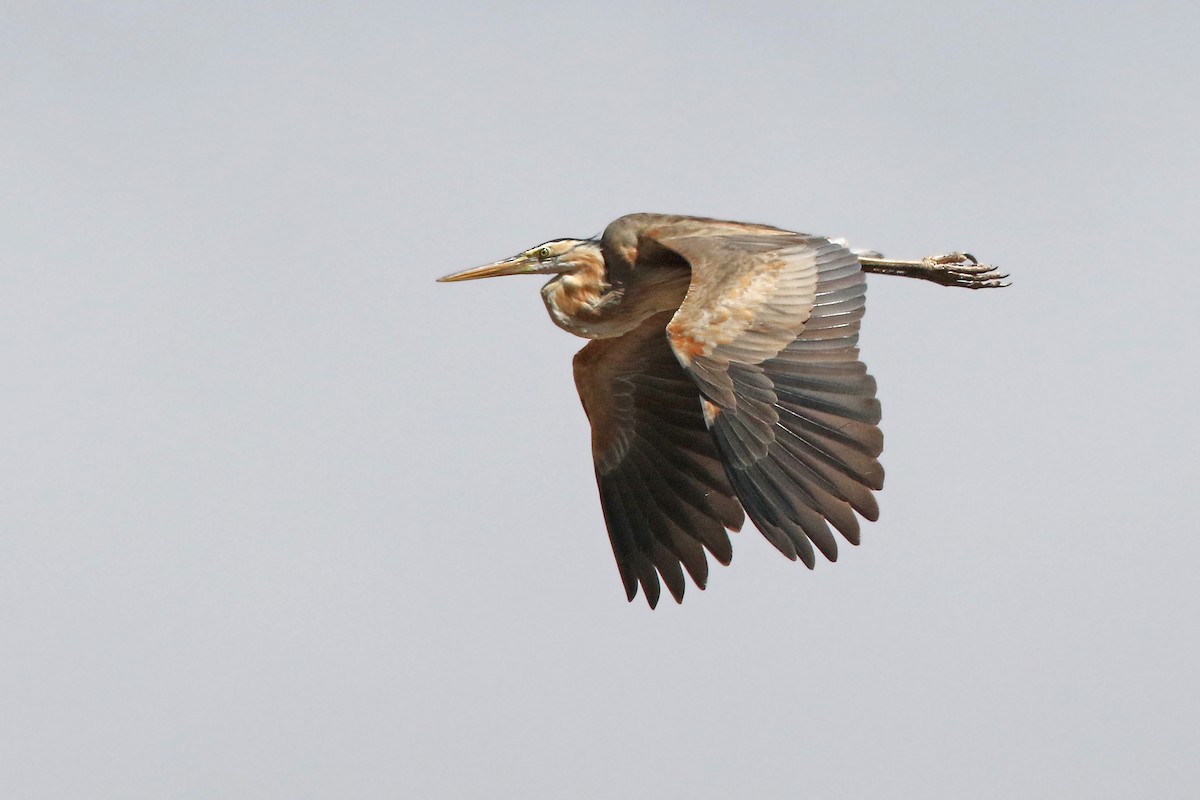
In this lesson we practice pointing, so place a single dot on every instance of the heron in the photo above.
(722, 380)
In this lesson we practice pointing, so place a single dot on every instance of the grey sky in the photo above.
(282, 517)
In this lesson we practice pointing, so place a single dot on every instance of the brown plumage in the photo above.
(723, 375)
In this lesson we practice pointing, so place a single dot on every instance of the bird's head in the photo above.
(556, 257)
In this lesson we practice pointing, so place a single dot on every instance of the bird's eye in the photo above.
(543, 253)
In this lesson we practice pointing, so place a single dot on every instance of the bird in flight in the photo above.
(722, 379)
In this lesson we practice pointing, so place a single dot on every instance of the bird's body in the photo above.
(723, 375)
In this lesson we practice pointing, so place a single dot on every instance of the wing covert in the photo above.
(750, 296)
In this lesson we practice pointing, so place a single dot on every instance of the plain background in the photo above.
(282, 517)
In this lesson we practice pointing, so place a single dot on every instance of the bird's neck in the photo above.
(584, 303)
(574, 299)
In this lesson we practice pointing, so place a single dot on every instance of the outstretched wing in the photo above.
(664, 492)
(769, 332)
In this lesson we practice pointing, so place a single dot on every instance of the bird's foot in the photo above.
(961, 269)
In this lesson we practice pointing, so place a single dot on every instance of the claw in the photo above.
(971, 275)
(987, 280)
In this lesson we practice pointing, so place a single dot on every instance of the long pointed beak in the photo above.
(517, 265)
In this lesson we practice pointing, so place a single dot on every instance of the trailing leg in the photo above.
(952, 269)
